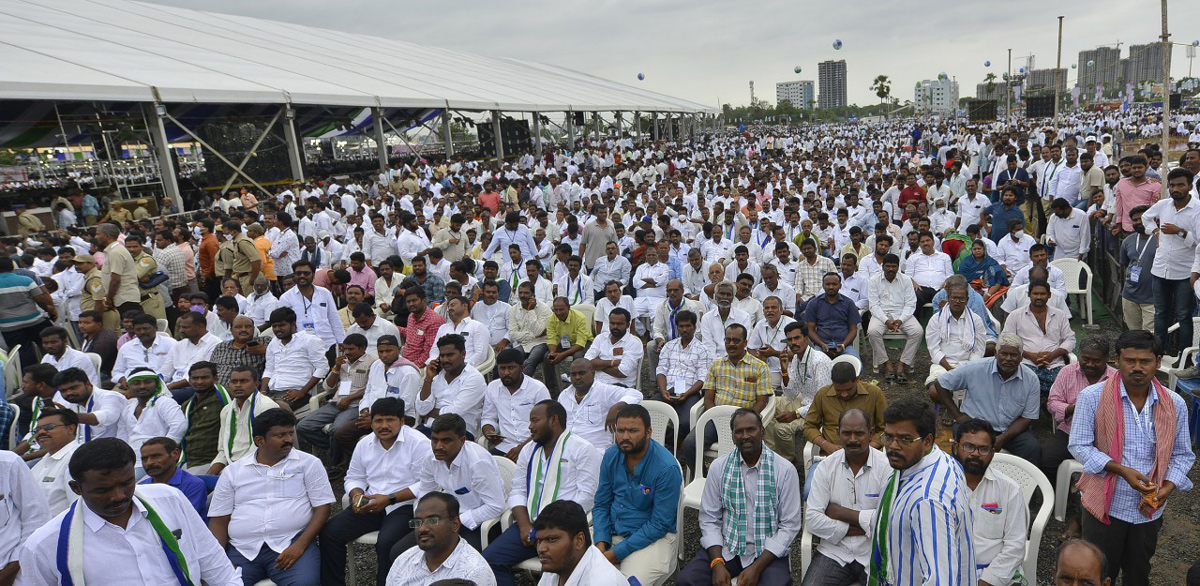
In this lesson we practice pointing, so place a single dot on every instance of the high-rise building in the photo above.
(1143, 64)
(1105, 68)
(1043, 79)
(938, 96)
(800, 93)
(997, 93)
(832, 77)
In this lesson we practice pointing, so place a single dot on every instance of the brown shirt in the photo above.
(827, 408)
(118, 260)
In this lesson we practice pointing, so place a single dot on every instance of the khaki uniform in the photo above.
(117, 260)
(234, 259)
(152, 302)
(141, 213)
(27, 224)
(93, 291)
(119, 215)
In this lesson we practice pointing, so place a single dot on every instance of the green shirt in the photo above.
(204, 427)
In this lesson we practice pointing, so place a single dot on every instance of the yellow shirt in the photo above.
(827, 408)
(738, 384)
(574, 331)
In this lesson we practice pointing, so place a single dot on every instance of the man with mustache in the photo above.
(636, 501)
(275, 537)
(844, 493)
(54, 431)
(713, 323)
(1130, 409)
(160, 459)
(997, 504)
(565, 549)
(441, 555)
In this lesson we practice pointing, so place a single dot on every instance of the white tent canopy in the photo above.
(120, 50)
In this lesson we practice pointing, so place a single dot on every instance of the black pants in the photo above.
(130, 306)
(30, 339)
(348, 526)
(925, 295)
(1054, 452)
(1127, 546)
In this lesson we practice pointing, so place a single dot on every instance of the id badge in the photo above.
(564, 342)
(309, 326)
(1135, 273)
(343, 388)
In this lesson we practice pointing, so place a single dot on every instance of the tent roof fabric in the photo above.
(121, 50)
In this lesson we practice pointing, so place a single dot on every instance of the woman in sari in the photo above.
(984, 273)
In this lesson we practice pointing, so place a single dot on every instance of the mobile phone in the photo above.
(252, 343)
(358, 504)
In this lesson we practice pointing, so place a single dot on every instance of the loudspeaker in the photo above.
(1176, 100)
(578, 118)
(1039, 107)
(982, 110)
(234, 139)
(514, 135)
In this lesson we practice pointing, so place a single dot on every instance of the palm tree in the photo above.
(882, 88)
(991, 83)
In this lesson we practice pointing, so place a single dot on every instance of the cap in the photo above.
(83, 258)
(142, 201)
(323, 234)
(1090, 139)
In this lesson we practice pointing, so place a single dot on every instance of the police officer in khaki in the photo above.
(237, 258)
(93, 290)
(152, 302)
(118, 277)
(118, 214)
(141, 213)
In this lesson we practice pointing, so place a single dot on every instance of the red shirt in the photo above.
(491, 201)
(419, 334)
(914, 194)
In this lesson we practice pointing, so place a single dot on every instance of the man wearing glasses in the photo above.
(997, 503)
(440, 555)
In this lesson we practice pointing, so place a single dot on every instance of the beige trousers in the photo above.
(653, 564)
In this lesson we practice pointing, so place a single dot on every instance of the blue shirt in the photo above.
(640, 507)
(991, 398)
(977, 306)
(833, 320)
(191, 487)
(1138, 452)
(1000, 217)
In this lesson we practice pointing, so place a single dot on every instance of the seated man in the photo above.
(664, 329)
(269, 507)
(54, 432)
(507, 402)
(616, 355)
(566, 551)
(451, 385)
(295, 362)
(575, 285)
(546, 471)
(637, 501)
(1018, 297)
(441, 555)
(612, 299)
(714, 323)
(237, 418)
(806, 371)
(160, 459)
(749, 513)
(682, 366)
(772, 286)
(196, 345)
(1001, 391)
(841, 504)
(1091, 369)
(976, 304)
(203, 415)
(99, 410)
(1047, 334)
(379, 484)
(592, 406)
(370, 325)
(149, 413)
(846, 391)
(928, 268)
(567, 337)
(494, 315)
(60, 354)
(737, 379)
(767, 339)
(1000, 511)
(527, 330)
(458, 321)
(146, 347)
(1039, 257)
(892, 297)
(349, 377)
(832, 319)
(391, 376)
(27, 511)
(954, 335)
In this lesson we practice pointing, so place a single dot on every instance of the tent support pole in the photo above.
(570, 129)
(537, 135)
(295, 150)
(166, 165)
(620, 126)
(447, 134)
(655, 129)
(497, 138)
(214, 151)
(670, 128)
(380, 139)
(637, 125)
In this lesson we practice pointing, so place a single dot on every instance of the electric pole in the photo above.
(1166, 121)
(1057, 71)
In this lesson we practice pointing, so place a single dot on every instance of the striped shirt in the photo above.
(17, 306)
(682, 365)
(738, 384)
(929, 533)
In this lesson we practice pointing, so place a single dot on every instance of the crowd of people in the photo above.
(482, 360)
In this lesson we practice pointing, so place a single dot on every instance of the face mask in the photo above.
(199, 309)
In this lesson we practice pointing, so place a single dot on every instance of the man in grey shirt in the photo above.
(1136, 257)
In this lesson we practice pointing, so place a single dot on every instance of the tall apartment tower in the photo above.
(831, 76)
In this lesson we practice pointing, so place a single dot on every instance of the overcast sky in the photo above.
(705, 50)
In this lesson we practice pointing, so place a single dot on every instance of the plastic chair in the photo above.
(662, 417)
(1030, 478)
(588, 310)
(719, 416)
(13, 438)
(1062, 487)
(12, 370)
(1071, 269)
(855, 362)
(488, 364)
(507, 469)
(164, 326)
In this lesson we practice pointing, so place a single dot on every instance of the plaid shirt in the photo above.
(170, 261)
(8, 417)
(682, 366)
(226, 357)
(738, 384)
(808, 276)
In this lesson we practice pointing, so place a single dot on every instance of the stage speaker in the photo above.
(1176, 101)
(234, 139)
(982, 110)
(1039, 107)
(578, 119)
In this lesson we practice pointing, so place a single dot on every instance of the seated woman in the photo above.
(984, 274)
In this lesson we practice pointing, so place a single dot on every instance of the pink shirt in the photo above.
(364, 279)
(1130, 196)
(1065, 390)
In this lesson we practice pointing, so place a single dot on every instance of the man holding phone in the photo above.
(349, 377)
(833, 319)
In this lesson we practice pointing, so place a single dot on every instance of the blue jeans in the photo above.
(305, 572)
(1174, 302)
(505, 552)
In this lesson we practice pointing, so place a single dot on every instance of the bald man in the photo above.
(1081, 563)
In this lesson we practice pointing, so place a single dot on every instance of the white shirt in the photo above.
(659, 272)
(969, 209)
(508, 411)
(578, 290)
(1014, 256)
(605, 270)
(786, 294)
(73, 358)
(1071, 236)
(380, 327)
(593, 569)
(410, 243)
(958, 340)
(132, 556)
(586, 417)
(291, 365)
(476, 336)
(1057, 280)
(712, 328)
(929, 270)
(462, 396)
(106, 405)
(52, 477)
(472, 477)
(161, 417)
(22, 510)
(494, 317)
(410, 568)
(605, 306)
(1175, 256)
(577, 481)
(133, 354)
(895, 299)
(241, 435)
(270, 505)
(999, 530)
(629, 350)
(763, 334)
(259, 307)
(400, 381)
(318, 316)
(184, 354)
(376, 470)
(834, 482)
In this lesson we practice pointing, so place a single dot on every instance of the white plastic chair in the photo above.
(1062, 487)
(507, 469)
(1030, 478)
(366, 539)
(662, 417)
(1071, 269)
(488, 364)
(855, 362)
(12, 370)
(164, 326)
(589, 312)
(13, 438)
(719, 416)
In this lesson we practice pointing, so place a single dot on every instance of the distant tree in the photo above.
(882, 88)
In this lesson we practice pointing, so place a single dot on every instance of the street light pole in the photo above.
(1166, 64)
(1057, 71)
(1008, 91)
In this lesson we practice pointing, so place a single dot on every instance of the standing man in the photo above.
(923, 508)
(1130, 434)
(1137, 255)
(1174, 221)
(314, 308)
(1069, 231)
(238, 257)
(596, 236)
(23, 302)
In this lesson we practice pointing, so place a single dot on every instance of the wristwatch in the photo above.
(392, 498)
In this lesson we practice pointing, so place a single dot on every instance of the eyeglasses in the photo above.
(47, 427)
(974, 449)
(427, 521)
(904, 441)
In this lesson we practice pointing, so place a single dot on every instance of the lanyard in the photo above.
(1138, 258)
(671, 318)
(233, 422)
(87, 429)
(578, 289)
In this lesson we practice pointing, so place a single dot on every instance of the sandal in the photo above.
(889, 378)
(902, 378)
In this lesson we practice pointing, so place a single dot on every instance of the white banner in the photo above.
(11, 174)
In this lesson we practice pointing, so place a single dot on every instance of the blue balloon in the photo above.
(987, 63)
(641, 76)
(837, 44)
